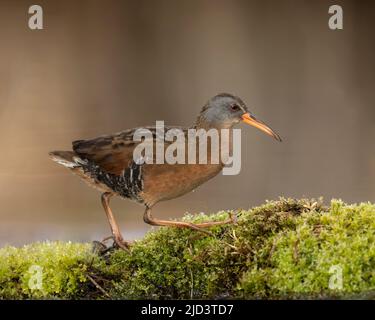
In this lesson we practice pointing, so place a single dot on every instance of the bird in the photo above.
(106, 163)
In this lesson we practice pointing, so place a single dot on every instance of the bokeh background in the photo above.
(102, 66)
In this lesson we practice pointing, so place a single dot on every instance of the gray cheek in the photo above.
(222, 117)
(215, 116)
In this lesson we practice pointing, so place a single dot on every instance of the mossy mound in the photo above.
(283, 249)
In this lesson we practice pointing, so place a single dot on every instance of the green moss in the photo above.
(283, 249)
(321, 245)
(43, 270)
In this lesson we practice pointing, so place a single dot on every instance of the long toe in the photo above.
(107, 238)
(122, 244)
(200, 229)
(99, 247)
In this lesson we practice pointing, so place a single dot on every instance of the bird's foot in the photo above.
(200, 229)
(118, 243)
(200, 226)
(121, 244)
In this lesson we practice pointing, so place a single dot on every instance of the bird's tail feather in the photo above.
(67, 159)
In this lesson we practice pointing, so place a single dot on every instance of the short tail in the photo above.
(67, 159)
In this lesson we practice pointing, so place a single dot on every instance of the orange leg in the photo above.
(147, 217)
(116, 234)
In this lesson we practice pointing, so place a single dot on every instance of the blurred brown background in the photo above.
(103, 66)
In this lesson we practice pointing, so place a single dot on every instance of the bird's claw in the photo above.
(118, 243)
(121, 244)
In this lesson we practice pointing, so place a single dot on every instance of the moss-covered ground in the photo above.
(282, 249)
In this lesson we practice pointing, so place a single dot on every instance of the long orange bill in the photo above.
(251, 120)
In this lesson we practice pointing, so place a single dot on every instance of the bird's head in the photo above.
(225, 110)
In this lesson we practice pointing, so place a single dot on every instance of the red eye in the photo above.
(235, 107)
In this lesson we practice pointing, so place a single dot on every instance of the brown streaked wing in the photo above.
(113, 153)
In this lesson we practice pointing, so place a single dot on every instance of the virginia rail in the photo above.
(106, 163)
